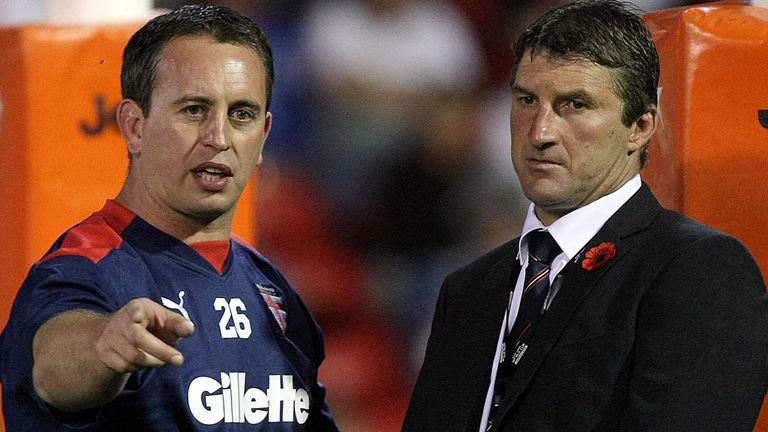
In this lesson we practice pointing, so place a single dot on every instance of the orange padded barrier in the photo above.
(709, 159)
(60, 148)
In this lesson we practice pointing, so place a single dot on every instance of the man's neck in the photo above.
(183, 227)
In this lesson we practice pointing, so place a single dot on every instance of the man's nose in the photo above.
(543, 128)
(215, 134)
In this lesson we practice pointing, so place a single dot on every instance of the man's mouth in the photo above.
(212, 176)
(541, 162)
(211, 171)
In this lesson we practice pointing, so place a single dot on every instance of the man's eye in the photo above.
(577, 104)
(194, 110)
(243, 115)
(527, 100)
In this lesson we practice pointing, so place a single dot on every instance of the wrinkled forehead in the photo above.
(557, 66)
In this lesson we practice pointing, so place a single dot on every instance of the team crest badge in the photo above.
(275, 304)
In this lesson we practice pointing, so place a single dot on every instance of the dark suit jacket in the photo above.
(671, 335)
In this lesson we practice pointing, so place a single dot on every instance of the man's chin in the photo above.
(544, 194)
(209, 211)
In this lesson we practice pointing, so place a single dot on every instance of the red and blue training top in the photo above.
(250, 365)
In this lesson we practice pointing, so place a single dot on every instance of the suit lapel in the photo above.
(487, 310)
(577, 284)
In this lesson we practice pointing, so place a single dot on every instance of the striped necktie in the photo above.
(542, 250)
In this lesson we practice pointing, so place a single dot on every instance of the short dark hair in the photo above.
(140, 57)
(609, 33)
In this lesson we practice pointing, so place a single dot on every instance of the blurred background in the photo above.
(387, 167)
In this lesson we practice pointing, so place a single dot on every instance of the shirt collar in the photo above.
(575, 229)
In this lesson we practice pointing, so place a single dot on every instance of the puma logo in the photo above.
(176, 306)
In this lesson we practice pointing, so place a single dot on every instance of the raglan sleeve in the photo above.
(51, 288)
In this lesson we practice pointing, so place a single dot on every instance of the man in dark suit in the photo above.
(608, 313)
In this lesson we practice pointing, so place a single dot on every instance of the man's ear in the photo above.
(130, 119)
(267, 128)
(643, 129)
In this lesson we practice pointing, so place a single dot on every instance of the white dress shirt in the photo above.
(571, 232)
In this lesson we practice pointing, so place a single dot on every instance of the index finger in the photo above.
(168, 325)
(176, 327)
(155, 348)
(158, 330)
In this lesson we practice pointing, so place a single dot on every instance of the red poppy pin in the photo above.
(597, 257)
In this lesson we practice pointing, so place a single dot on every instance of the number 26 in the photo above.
(233, 323)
